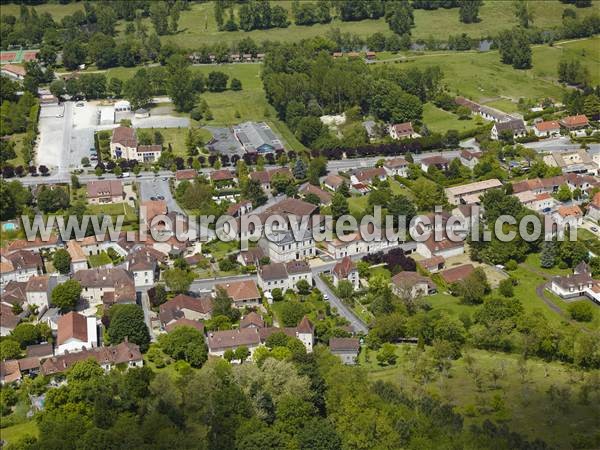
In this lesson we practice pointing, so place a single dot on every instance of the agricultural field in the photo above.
(519, 396)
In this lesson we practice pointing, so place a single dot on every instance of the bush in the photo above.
(506, 288)
(511, 265)
(581, 311)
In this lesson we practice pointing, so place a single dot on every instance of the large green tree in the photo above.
(127, 322)
(65, 295)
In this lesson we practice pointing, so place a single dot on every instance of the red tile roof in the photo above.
(457, 273)
(124, 136)
(343, 268)
(72, 325)
(241, 290)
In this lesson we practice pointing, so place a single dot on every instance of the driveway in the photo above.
(357, 325)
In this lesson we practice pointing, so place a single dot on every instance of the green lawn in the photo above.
(523, 403)
(587, 51)
(440, 121)
(15, 432)
(482, 77)
(18, 140)
(358, 204)
(176, 137)
(99, 260)
(114, 209)
(198, 25)
(57, 11)
(504, 105)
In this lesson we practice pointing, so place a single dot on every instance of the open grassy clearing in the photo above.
(18, 140)
(101, 259)
(198, 25)
(56, 10)
(520, 401)
(586, 51)
(15, 432)
(481, 76)
(176, 138)
(440, 121)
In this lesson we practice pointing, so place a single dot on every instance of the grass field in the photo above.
(587, 51)
(440, 121)
(522, 402)
(198, 24)
(176, 137)
(15, 432)
(57, 11)
(482, 77)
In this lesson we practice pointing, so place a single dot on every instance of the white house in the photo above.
(444, 247)
(76, 332)
(515, 127)
(579, 284)
(38, 291)
(347, 349)
(396, 166)
(403, 131)
(283, 275)
(547, 128)
(346, 270)
(284, 246)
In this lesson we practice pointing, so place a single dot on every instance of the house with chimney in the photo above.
(396, 167)
(186, 307)
(470, 158)
(579, 284)
(412, 285)
(242, 293)
(20, 265)
(546, 128)
(104, 191)
(404, 130)
(515, 128)
(346, 270)
(253, 336)
(106, 286)
(125, 354)
(283, 275)
(124, 145)
(38, 291)
(142, 262)
(347, 349)
(574, 123)
(593, 209)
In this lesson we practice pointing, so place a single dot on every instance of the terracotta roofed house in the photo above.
(546, 128)
(574, 122)
(75, 332)
(252, 319)
(458, 273)
(457, 194)
(412, 284)
(243, 293)
(438, 161)
(221, 341)
(345, 270)
(324, 196)
(593, 209)
(403, 131)
(185, 174)
(104, 191)
(185, 307)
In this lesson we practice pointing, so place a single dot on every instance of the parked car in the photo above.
(153, 198)
(160, 197)
(594, 229)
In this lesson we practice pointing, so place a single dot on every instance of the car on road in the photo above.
(60, 115)
(325, 297)
(125, 175)
(594, 229)
(160, 197)
(165, 179)
(153, 198)
(79, 104)
(93, 158)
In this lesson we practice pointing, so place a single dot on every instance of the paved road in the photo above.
(333, 166)
(357, 325)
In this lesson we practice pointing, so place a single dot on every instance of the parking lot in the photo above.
(67, 132)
